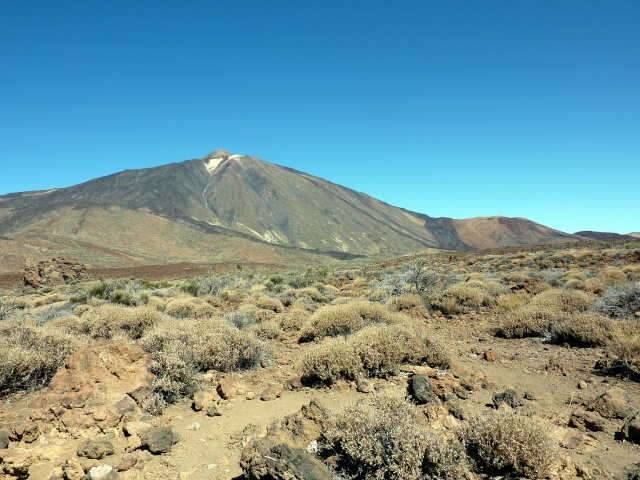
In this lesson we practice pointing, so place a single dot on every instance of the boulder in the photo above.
(614, 403)
(631, 429)
(421, 389)
(96, 388)
(159, 439)
(15, 463)
(282, 462)
(585, 420)
(95, 449)
(4, 438)
(508, 397)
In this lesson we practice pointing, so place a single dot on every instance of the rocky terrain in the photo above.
(508, 363)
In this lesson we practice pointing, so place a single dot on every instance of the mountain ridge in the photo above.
(242, 197)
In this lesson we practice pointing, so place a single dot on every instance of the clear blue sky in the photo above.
(449, 108)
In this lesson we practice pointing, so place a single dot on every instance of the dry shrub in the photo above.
(529, 321)
(509, 302)
(233, 296)
(294, 319)
(381, 439)
(108, 321)
(30, 354)
(620, 302)
(213, 301)
(191, 307)
(624, 343)
(260, 314)
(613, 276)
(32, 301)
(567, 301)
(267, 330)
(311, 293)
(180, 348)
(330, 361)
(374, 351)
(333, 320)
(507, 443)
(405, 301)
(583, 329)
(269, 303)
(459, 296)
(543, 311)
(383, 348)
(157, 303)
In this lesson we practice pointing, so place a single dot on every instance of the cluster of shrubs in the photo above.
(381, 438)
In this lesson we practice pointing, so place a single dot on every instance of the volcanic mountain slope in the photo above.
(227, 207)
(603, 236)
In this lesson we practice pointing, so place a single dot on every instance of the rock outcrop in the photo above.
(97, 387)
(57, 271)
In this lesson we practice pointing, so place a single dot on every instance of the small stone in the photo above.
(529, 395)
(294, 384)
(72, 469)
(4, 438)
(282, 361)
(193, 426)
(582, 385)
(202, 398)
(490, 355)
(272, 392)
(104, 472)
(95, 449)
(214, 410)
(364, 386)
(133, 443)
(614, 403)
(128, 461)
(264, 363)
(250, 395)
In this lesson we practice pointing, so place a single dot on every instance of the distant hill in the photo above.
(605, 236)
(226, 207)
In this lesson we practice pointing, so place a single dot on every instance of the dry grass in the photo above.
(462, 297)
(406, 301)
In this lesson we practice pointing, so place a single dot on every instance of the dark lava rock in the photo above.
(421, 389)
(510, 397)
(158, 439)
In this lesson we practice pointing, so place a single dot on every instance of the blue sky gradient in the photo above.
(449, 108)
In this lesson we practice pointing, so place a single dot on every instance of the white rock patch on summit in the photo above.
(213, 163)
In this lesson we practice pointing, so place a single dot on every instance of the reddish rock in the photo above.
(26, 431)
(229, 387)
(272, 392)
(585, 420)
(614, 403)
(128, 461)
(95, 388)
(490, 355)
(57, 271)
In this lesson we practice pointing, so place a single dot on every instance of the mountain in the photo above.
(602, 236)
(226, 207)
(634, 234)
